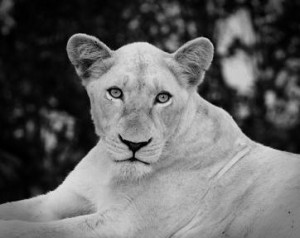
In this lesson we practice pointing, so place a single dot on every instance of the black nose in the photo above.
(134, 146)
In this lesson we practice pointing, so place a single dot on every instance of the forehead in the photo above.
(140, 64)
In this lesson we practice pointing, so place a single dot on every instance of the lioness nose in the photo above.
(134, 146)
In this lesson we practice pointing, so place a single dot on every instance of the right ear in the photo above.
(194, 58)
(84, 51)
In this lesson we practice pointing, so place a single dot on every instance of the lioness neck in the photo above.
(211, 135)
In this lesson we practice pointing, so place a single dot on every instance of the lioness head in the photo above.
(138, 95)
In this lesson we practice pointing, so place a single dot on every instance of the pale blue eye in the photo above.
(163, 97)
(115, 92)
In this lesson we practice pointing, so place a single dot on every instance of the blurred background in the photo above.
(45, 126)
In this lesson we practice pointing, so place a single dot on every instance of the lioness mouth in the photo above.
(132, 160)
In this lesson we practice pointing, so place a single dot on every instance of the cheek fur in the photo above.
(104, 111)
(169, 118)
(97, 114)
(111, 112)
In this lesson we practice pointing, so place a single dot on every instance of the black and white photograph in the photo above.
(150, 119)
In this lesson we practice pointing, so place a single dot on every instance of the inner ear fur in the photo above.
(194, 59)
(84, 51)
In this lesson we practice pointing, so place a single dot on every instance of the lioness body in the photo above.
(198, 176)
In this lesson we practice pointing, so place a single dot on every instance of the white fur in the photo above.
(205, 178)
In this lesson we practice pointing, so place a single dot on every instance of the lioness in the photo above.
(168, 163)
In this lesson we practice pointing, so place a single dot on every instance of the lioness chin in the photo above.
(168, 163)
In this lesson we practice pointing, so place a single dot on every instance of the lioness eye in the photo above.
(115, 92)
(163, 97)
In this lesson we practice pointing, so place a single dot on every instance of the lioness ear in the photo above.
(194, 58)
(84, 51)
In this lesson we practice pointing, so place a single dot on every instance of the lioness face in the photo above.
(138, 100)
(138, 95)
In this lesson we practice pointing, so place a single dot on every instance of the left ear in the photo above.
(194, 58)
(84, 51)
